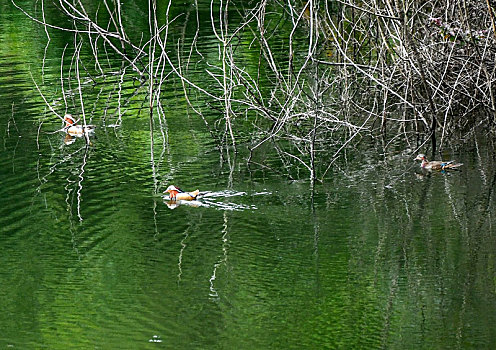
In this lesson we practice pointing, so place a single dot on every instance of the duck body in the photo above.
(436, 164)
(176, 194)
(74, 129)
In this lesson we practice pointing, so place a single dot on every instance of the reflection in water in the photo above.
(222, 260)
(378, 257)
(373, 258)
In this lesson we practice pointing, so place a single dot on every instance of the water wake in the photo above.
(215, 200)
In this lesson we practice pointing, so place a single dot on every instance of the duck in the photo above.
(178, 194)
(436, 164)
(73, 129)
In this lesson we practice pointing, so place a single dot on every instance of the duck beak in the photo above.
(418, 158)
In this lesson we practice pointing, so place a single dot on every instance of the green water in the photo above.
(92, 257)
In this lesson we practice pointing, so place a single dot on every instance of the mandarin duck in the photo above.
(178, 194)
(436, 164)
(73, 129)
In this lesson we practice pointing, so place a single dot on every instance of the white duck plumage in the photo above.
(72, 128)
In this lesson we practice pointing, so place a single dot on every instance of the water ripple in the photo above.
(215, 200)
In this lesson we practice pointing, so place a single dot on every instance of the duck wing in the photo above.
(451, 165)
(435, 165)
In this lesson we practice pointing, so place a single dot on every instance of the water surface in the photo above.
(378, 256)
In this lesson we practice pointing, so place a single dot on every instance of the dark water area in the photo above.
(380, 255)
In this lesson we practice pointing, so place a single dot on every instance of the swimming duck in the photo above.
(178, 194)
(73, 129)
(436, 164)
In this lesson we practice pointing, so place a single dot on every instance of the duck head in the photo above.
(423, 160)
(69, 120)
(421, 157)
(172, 191)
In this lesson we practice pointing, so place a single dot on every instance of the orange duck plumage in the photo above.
(178, 194)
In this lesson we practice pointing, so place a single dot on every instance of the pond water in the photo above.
(92, 256)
